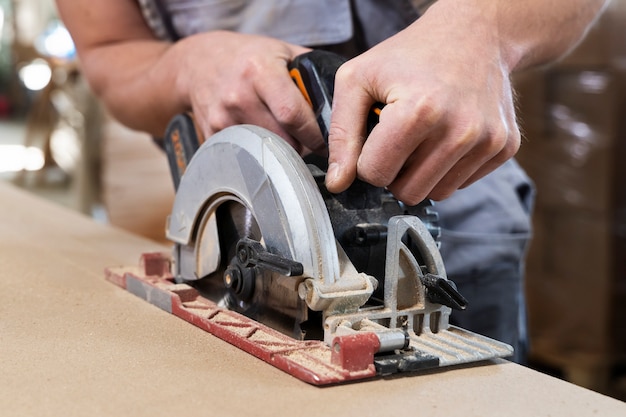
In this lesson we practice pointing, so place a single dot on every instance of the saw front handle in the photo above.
(314, 74)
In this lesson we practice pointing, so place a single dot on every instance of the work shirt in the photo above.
(485, 227)
(301, 22)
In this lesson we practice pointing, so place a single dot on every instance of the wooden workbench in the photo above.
(73, 344)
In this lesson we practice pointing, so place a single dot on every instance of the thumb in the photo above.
(347, 133)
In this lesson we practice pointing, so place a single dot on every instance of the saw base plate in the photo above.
(311, 361)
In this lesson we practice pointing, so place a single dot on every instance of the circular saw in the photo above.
(260, 239)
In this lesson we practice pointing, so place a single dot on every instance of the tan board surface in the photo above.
(73, 344)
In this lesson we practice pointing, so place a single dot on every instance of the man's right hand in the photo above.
(231, 78)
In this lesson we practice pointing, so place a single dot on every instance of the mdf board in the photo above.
(73, 344)
(137, 189)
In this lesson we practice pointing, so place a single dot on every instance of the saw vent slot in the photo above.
(401, 321)
(418, 324)
(384, 321)
(435, 319)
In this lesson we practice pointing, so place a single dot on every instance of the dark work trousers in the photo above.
(486, 229)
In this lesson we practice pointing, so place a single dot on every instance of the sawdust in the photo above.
(316, 360)
(243, 331)
(451, 348)
(186, 293)
(266, 338)
(197, 306)
(228, 319)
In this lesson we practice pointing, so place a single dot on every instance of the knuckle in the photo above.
(471, 132)
(515, 140)
(250, 67)
(232, 99)
(493, 144)
(428, 112)
(346, 72)
(336, 132)
(288, 114)
(440, 193)
(344, 146)
(218, 120)
(500, 135)
(506, 143)
(377, 176)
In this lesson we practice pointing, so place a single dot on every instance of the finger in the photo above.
(291, 111)
(200, 114)
(422, 172)
(400, 131)
(262, 116)
(434, 159)
(458, 175)
(513, 145)
(490, 151)
(351, 105)
(245, 107)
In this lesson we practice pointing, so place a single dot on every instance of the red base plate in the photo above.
(310, 361)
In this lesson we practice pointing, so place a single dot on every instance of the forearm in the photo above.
(538, 31)
(225, 78)
(526, 32)
(133, 73)
(137, 82)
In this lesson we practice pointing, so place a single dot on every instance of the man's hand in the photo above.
(247, 81)
(449, 117)
(225, 78)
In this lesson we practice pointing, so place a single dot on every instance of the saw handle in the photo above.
(181, 141)
(314, 74)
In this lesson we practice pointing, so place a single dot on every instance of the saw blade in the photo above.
(263, 191)
(265, 299)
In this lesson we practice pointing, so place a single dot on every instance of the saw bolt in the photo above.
(240, 281)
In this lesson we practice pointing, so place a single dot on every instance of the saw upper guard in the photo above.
(259, 174)
(248, 173)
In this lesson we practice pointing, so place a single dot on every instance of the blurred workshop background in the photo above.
(56, 141)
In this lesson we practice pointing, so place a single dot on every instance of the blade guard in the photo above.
(257, 168)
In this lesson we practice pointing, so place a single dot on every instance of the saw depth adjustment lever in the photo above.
(251, 253)
(443, 291)
(250, 257)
